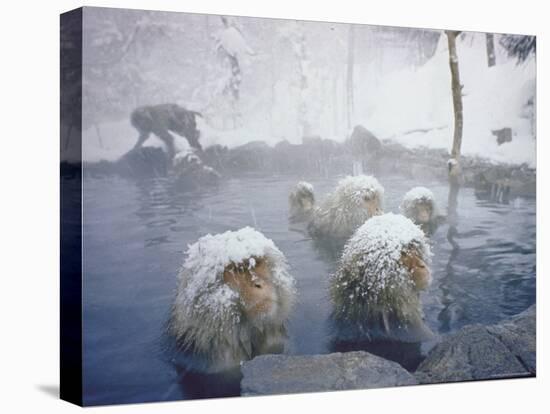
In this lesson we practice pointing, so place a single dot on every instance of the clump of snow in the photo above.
(304, 186)
(414, 196)
(356, 188)
(211, 254)
(186, 155)
(451, 162)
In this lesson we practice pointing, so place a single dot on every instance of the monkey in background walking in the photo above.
(161, 119)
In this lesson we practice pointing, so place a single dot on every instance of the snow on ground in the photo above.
(493, 98)
(411, 106)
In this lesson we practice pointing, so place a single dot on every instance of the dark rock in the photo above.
(507, 349)
(283, 374)
(503, 135)
(252, 156)
(215, 156)
(519, 336)
(143, 162)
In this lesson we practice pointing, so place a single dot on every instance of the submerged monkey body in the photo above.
(234, 297)
(375, 290)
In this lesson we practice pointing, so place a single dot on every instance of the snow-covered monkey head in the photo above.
(384, 265)
(234, 296)
(355, 200)
(301, 201)
(363, 192)
(419, 205)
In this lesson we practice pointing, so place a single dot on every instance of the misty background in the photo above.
(299, 79)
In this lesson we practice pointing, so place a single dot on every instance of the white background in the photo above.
(29, 205)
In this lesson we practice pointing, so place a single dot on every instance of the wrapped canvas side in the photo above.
(71, 207)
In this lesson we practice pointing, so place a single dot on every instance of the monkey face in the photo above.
(372, 203)
(423, 212)
(306, 202)
(252, 280)
(418, 269)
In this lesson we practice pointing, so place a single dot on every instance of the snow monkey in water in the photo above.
(160, 119)
(301, 202)
(376, 288)
(419, 205)
(355, 200)
(234, 297)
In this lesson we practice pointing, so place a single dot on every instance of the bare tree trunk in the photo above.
(491, 59)
(457, 94)
(349, 87)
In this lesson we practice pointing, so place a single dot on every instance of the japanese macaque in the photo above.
(160, 119)
(376, 288)
(191, 172)
(355, 200)
(419, 205)
(365, 149)
(234, 297)
(301, 202)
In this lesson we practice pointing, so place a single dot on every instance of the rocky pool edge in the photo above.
(475, 352)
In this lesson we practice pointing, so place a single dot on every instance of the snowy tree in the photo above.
(457, 99)
(231, 47)
(519, 46)
(490, 40)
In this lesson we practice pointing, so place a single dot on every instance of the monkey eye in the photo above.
(421, 265)
(257, 285)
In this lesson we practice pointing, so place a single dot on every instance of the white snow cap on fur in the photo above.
(304, 186)
(356, 186)
(384, 238)
(208, 257)
(418, 193)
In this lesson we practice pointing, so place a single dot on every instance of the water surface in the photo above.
(135, 234)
